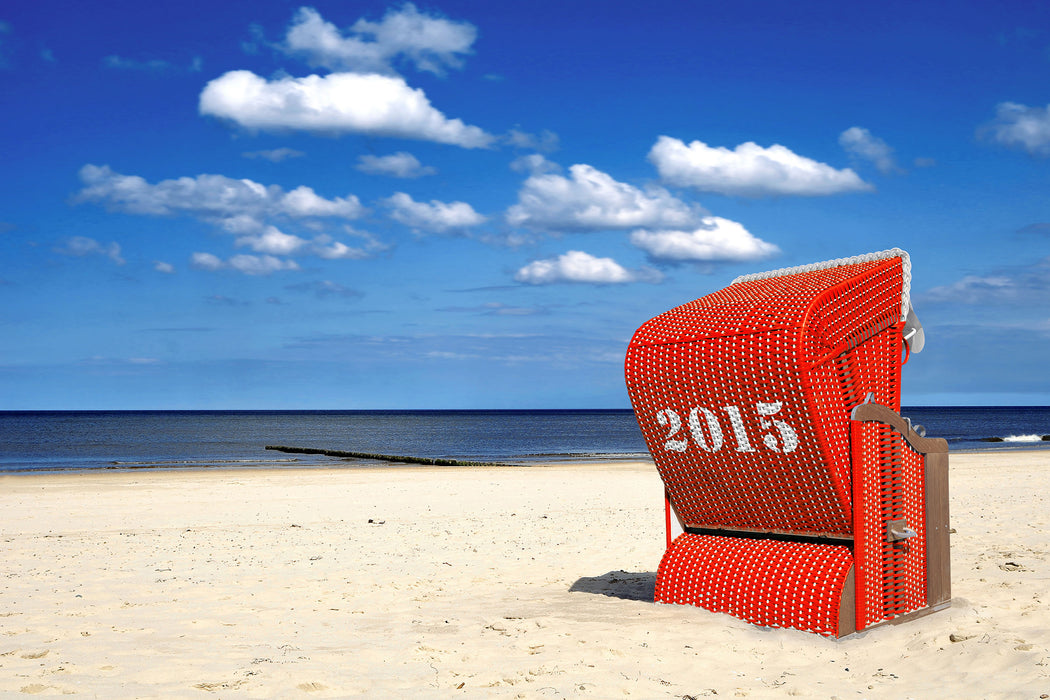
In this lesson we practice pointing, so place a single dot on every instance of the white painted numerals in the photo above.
(788, 436)
(670, 418)
(706, 430)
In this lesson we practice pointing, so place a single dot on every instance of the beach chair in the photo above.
(771, 409)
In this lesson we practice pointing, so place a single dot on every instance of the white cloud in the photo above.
(81, 246)
(206, 261)
(239, 206)
(273, 241)
(590, 200)
(379, 105)
(275, 155)
(534, 164)
(243, 208)
(546, 140)
(436, 216)
(304, 202)
(335, 250)
(748, 170)
(428, 42)
(1019, 286)
(1020, 126)
(578, 266)
(248, 264)
(973, 289)
(161, 266)
(400, 164)
(716, 240)
(260, 264)
(860, 143)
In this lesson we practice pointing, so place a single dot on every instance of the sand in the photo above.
(466, 582)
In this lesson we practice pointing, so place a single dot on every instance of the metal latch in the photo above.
(897, 530)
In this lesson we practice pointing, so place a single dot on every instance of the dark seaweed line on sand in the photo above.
(404, 459)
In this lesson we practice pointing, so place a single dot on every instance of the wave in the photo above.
(1018, 438)
(1026, 438)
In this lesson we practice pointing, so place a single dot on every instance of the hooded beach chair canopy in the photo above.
(750, 400)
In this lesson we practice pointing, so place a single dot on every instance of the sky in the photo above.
(468, 204)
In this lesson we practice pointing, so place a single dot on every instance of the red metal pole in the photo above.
(667, 517)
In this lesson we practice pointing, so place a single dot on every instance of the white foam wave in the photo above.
(1023, 438)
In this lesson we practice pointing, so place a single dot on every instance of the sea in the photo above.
(33, 441)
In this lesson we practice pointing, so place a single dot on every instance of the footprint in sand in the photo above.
(311, 687)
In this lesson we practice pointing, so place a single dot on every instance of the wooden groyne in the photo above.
(403, 459)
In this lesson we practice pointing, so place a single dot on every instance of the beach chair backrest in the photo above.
(744, 395)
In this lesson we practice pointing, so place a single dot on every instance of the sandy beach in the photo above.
(466, 582)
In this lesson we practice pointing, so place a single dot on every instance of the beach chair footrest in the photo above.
(770, 582)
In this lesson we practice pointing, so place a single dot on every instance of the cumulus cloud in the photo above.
(590, 200)
(239, 206)
(368, 246)
(275, 155)
(427, 42)
(436, 217)
(244, 208)
(248, 264)
(378, 105)
(748, 170)
(860, 143)
(164, 267)
(715, 240)
(580, 267)
(1020, 126)
(273, 241)
(400, 164)
(81, 246)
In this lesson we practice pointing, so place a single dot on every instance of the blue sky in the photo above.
(475, 204)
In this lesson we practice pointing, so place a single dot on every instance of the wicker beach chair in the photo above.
(771, 409)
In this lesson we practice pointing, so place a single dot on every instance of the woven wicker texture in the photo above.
(743, 396)
(891, 576)
(765, 582)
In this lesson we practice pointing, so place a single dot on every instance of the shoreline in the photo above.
(472, 581)
(337, 464)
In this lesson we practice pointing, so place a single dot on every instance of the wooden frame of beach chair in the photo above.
(771, 409)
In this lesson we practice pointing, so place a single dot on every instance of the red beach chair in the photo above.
(771, 409)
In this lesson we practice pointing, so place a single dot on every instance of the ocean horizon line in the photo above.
(904, 407)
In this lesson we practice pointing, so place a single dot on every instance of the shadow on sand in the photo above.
(619, 584)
